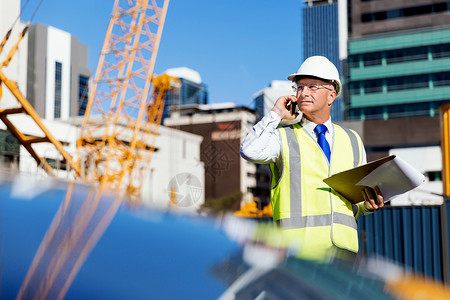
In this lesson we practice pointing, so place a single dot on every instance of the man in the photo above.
(302, 155)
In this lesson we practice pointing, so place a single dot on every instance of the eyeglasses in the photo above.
(312, 87)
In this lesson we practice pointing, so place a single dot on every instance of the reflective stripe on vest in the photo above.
(290, 215)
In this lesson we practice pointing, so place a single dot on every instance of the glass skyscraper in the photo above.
(190, 92)
(320, 37)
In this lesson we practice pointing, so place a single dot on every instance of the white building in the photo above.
(58, 72)
(176, 173)
(17, 68)
(50, 66)
(265, 99)
(176, 154)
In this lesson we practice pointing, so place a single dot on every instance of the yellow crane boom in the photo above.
(122, 116)
(115, 129)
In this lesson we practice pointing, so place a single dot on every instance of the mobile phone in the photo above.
(292, 107)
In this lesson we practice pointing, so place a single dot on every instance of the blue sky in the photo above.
(237, 46)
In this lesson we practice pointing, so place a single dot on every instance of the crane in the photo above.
(122, 118)
(115, 145)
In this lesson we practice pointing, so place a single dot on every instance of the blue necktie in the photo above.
(320, 130)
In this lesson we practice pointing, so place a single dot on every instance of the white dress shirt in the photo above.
(262, 144)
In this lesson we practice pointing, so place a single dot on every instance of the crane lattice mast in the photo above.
(122, 117)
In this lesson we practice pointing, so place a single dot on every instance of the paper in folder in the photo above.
(391, 174)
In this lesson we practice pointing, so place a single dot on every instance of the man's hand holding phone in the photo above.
(286, 107)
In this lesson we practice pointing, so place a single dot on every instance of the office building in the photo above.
(380, 16)
(398, 59)
(50, 66)
(396, 75)
(16, 70)
(321, 37)
(58, 74)
(191, 91)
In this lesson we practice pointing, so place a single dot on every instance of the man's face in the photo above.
(316, 100)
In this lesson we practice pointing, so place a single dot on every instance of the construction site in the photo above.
(121, 183)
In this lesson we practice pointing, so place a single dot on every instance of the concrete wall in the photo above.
(37, 49)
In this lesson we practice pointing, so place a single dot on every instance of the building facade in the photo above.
(58, 74)
(380, 16)
(16, 70)
(191, 91)
(398, 59)
(396, 76)
(321, 37)
(265, 99)
(223, 128)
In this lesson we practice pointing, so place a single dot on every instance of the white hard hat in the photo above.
(319, 67)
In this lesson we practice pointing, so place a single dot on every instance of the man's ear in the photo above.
(331, 97)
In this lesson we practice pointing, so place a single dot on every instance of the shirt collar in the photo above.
(309, 126)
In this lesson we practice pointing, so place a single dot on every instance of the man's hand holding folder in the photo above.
(388, 177)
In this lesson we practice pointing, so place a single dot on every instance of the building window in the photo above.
(189, 93)
(83, 92)
(440, 51)
(406, 55)
(9, 150)
(441, 79)
(405, 12)
(355, 88)
(400, 83)
(353, 61)
(434, 175)
(372, 59)
(57, 164)
(395, 111)
(373, 86)
(407, 83)
(58, 87)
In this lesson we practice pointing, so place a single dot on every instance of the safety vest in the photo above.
(307, 209)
